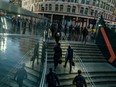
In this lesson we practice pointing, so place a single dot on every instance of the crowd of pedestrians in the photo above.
(72, 32)
(52, 78)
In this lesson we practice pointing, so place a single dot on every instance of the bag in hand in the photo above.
(33, 57)
(73, 64)
(60, 61)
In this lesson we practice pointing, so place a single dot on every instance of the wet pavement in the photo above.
(13, 51)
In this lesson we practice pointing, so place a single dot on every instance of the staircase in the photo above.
(26, 47)
(100, 71)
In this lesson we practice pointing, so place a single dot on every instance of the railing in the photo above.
(44, 67)
(7, 78)
(85, 70)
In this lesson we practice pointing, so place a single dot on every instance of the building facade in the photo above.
(16, 2)
(84, 12)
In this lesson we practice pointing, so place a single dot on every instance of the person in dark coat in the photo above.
(85, 33)
(57, 55)
(35, 55)
(69, 56)
(20, 75)
(79, 80)
(57, 36)
(52, 79)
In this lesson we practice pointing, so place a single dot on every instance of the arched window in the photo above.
(72, 0)
(56, 8)
(81, 10)
(76, 1)
(61, 7)
(94, 2)
(96, 13)
(86, 11)
(87, 2)
(92, 12)
(73, 9)
(46, 6)
(68, 8)
(50, 7)
(83, 1)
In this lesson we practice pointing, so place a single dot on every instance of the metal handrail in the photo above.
(44, 73)
(84, 68)
(44, 68)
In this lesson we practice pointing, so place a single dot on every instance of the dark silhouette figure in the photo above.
(79, 80)
(20, 75)
(35, 54)
(57, 36)
(85, 33)
(57, 55)
(24, 26)
(65, 31)
(69, 56)
(53, 29)
(52, 79)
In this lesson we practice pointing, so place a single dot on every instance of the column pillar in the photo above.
(51, 18)
(63, 20)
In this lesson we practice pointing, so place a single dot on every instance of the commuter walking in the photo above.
(57, 36)
(35, 55)
(79, 80)
(20, 75)
(85, 33)
(52, 78)
(57, 55)
(69, 57)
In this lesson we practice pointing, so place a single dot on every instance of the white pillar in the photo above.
(63, 19)
(51, 18)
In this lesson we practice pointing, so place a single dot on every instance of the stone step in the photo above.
(71, 42)
(90, 54)
(84, 60)
(65, 47)
(96, 81)
(86, 57)
(78, 51)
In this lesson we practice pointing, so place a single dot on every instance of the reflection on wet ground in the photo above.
(13, 50)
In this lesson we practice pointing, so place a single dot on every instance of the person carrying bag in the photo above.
(69, 56)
